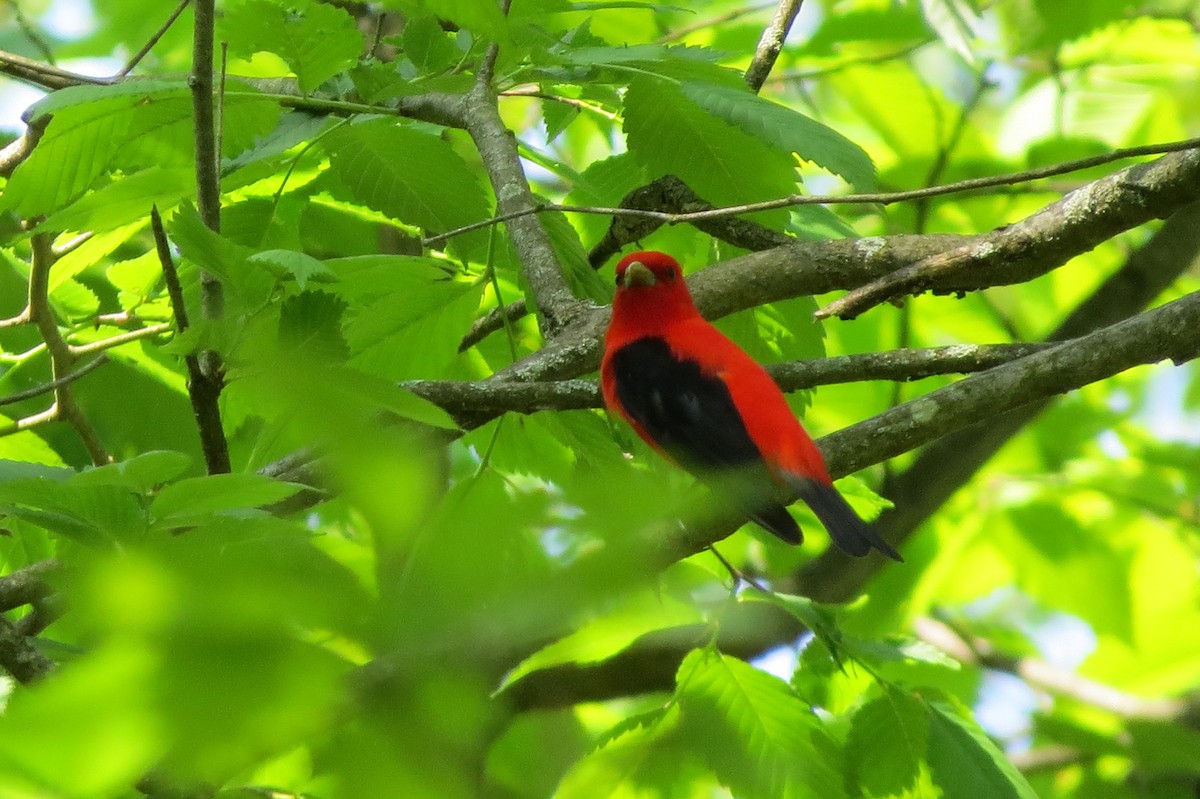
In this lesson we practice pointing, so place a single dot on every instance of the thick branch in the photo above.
(19, 657)
(492, 398)
(27, 585)
(1165, 332)
(1032, 247)
(949, 463)
(497, 147)
(652, 218)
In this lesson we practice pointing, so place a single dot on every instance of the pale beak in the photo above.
(638, 274)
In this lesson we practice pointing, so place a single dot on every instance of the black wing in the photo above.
(689, 414)
(693, 419)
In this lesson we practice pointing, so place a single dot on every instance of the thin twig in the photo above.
(947, 149)
(16, 321)
(53, 385)
(148, 46)
(31, 33)
(70, 245)
(484, 396)
(980, 652)
(51, 414)
(43, 75)
(713, 22)
(875, 198)
(498, 318)
(61, 358)
(150, 331)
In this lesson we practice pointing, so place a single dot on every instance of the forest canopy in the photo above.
(306, 486)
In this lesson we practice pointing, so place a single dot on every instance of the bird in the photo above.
(702, 402)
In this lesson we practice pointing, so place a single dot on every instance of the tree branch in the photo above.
(53, 385)
(497, 147)
(1038, 673)
(1039, 243)
(203, 392)
(27, 585)
(150, 331)
(149, 45)
(19, 657)
(61, 357)
(709, 213)
(491, 398)
(1165, 332)
(949, 463)
(771, 43)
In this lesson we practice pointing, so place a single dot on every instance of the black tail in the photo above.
(776, 519)
(850, 533)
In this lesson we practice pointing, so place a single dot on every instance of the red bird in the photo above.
(701, 401)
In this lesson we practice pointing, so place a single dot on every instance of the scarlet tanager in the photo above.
(701, 401)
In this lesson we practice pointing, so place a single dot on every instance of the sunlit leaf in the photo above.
(316, 40)
(759, 738)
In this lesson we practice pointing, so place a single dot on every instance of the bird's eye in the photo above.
(669, 276)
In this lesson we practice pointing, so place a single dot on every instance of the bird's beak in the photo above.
(638, 274)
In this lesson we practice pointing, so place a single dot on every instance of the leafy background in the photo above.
(399, 590)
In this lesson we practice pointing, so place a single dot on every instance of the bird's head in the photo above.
(651, 294)
(648, 269)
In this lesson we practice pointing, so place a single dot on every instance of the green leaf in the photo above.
(572, 258)
(820, 619)
(129, 125)
(88, 513)
(141, 473)
(756, 734)
(76, 147)
(485, 18)
(786, 130)
(310, 324)
(636, 760)
(182, 502)
(126, 200)
(300, 266)
(413, 332)
(669, 134)
(25, 469)
(1163, 747)
(886, 744)
(556, 117)
(965, 762)
(249, 281)
(428, 47)
(409, 175)
(292, 129)
(87, 731)
(315, 39)
(674, 62)
(603, 637)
